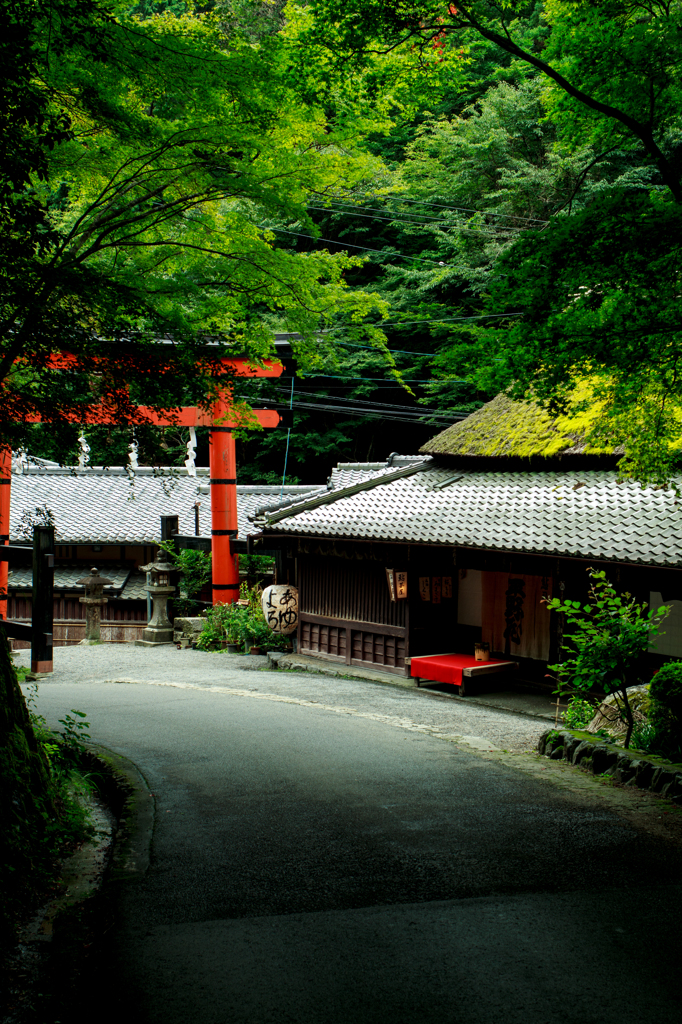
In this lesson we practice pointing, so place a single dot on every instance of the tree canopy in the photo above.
(144, 163)
(441, 201)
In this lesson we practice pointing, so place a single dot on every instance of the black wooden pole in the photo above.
(170, 525)
(43, 588)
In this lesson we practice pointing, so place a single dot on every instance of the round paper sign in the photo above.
(280, 607)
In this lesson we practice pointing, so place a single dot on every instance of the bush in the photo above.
(579, 713)
(663, 732)
(240, 624)
(666, 687)
(608, 646)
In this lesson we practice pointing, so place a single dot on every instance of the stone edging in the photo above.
(600, 757)
(128, 794)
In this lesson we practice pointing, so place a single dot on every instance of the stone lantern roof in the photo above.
(95, 580)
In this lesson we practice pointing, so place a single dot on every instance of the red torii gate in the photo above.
(223, 475)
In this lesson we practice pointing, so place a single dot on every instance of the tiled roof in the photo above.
(347, 473)
(127, 584)
(96, 506)
(586, 515)
(65, 577)
(134, 587)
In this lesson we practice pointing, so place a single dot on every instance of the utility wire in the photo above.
(286, 454)
(439, 320)
(439, 419)
(360, 401)
(466, 209)
(401, 219)
(364, 248)
(350, 376)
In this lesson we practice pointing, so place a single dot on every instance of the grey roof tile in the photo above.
(539, 512)
(98, 506)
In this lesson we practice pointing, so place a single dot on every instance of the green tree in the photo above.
(595, 292)
(611, 64)
(597, 303)
(144, 161)
(610, 639)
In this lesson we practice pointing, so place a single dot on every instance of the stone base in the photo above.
(88, 643)
(32, 677)
(153, 643)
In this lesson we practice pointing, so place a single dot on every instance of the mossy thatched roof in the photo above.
(507, 429)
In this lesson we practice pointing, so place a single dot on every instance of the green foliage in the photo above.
(579, 713)
(194, 568)
(154, 157)
(663, 731)
(41, 817)
(597, 301)
(611, 636)
(580, 129)
(254, 565)
(666, 686)
(240, 624)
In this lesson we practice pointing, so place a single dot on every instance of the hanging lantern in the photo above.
(280, 608)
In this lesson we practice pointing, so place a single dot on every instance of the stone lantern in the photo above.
(159, 628)
(94, 599)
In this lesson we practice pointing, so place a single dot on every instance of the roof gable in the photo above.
(504, 428)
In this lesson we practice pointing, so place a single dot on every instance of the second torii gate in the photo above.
(223, 476)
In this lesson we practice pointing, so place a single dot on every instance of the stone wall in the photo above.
(629, 767)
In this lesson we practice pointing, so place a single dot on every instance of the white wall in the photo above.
(470, 598)
(671, 642)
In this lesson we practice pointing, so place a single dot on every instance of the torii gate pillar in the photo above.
(224, 526)
(5, 489)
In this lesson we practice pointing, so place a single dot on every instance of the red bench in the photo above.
(455, 669)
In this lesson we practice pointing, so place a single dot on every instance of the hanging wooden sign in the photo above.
(397, 584)
(425, 588)
(447, 587)
(436, 589)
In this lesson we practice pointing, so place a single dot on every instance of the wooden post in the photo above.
(170, 525)
(224, 527)
(5, 493)
(43, 591)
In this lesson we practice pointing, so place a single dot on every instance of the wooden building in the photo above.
(110, 518)
(493, 515)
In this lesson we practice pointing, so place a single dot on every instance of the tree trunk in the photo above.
(628, 716)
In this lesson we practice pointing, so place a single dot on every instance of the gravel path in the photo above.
(417, 710)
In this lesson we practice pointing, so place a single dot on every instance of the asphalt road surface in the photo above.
(311, 865)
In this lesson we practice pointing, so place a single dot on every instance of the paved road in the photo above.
(317, 864)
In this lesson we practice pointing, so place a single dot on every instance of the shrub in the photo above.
(607, 648)
(240, 624)
(663, 734)
(579, 713)
(666, 687)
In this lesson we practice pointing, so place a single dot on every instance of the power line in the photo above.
(466, 209)
(379, 405)
(444, 319)
(402, 218)
(364, 248)
(338, 376)
(401, 416)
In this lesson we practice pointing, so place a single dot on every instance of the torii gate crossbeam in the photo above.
(223, 478)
